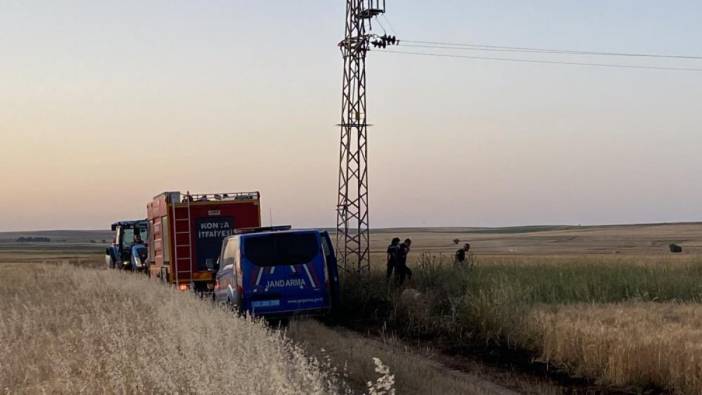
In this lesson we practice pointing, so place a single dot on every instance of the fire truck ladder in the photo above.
(189, 258)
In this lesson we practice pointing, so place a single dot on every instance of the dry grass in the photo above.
(65, 329)
(641, 344)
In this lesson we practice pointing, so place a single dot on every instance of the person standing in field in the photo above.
(393, 257)
(402, 271)
(463, 254)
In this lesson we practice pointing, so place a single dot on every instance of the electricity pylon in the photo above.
(352, 223)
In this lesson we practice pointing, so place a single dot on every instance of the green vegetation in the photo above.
(493, 295)
(509, 302)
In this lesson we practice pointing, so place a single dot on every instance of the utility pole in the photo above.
(352, 223)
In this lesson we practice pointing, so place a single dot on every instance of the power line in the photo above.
(380, 24)
(481, 49)
(518, 60)
(392, 29)
(486, 47)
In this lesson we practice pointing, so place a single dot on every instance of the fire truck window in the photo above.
(281, 249)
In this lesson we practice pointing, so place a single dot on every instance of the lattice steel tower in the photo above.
(353, 233)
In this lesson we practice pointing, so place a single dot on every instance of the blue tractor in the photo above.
(128, 250)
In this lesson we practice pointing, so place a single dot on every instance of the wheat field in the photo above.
(639, 344)
(631, 322)
(65, 329)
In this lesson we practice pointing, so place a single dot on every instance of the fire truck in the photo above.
(186, 233)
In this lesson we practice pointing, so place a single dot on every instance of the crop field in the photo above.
(68, 325)
(66, 329)
(541, 310)
(623, 320)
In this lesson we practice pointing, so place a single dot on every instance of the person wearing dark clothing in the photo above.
(393, 257)
(461, 254)
(402, 271)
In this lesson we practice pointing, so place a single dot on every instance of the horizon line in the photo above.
(692, 222)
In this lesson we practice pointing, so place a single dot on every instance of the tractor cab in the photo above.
(128, 249)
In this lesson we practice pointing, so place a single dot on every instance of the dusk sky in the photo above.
(105, 104)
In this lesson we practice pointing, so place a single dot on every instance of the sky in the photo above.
(103, 105)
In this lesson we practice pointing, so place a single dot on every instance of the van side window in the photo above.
(237, 255)
(229, 257)
(326, 249)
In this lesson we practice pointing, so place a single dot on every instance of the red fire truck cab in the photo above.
(187, 232)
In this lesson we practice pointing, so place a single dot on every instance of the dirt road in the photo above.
(417, 370)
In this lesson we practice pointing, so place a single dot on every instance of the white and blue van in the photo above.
(278, 272)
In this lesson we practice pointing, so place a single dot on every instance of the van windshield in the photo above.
(281, 248)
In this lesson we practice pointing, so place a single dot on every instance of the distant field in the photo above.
(518, 240)
(546, 240)
(61, 236)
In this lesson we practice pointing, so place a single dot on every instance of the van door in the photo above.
(284, 273)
